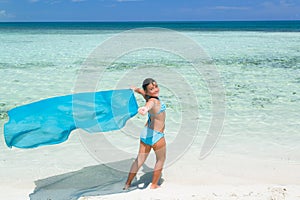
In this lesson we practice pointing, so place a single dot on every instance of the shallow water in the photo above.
(260, 71)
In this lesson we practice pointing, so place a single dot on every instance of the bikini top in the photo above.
(162, 109)
(162, 106)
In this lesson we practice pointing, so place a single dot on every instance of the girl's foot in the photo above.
(154, 186)
(126, 187)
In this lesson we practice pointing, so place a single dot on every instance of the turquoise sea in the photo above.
(258, 63)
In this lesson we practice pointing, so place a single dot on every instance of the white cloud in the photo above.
(279, 4)
(282, 9)
(3, 13)
(286, 3)
(127, 0)
(78, 0)
(230, 8)
(45, 1)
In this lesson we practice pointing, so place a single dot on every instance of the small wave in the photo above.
(276, 62)
(6, 65)
(26, 65)
(118, 66)
(297, 80)
(17, 41)
(261, 101)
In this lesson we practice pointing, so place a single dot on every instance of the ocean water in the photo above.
(258, 63)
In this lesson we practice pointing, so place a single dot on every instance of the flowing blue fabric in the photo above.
(51, 121)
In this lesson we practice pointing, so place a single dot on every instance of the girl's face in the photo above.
(152, 89)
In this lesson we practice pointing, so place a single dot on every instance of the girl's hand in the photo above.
(138, 90)
(133, 88)
(143, 110)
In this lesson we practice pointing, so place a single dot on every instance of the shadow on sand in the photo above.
(90, 181)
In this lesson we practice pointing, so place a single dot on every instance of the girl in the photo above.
(152, 137)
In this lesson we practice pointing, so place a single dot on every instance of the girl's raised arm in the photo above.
(139, 91)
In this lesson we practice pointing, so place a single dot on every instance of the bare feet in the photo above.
(126, 187)
(154, 186)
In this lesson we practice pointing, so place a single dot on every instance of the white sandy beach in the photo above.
(219, 177)
(78, 176)
(222, 192)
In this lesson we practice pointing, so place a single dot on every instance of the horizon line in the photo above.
(149, 21)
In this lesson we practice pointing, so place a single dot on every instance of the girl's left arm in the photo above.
(148, 106)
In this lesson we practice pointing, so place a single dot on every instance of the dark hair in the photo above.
(146, 82)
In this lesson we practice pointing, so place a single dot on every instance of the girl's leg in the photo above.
(160, 152)
(139, 161)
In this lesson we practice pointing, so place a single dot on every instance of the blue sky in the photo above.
(148, 10)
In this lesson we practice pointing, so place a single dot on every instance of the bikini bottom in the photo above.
(150, 136)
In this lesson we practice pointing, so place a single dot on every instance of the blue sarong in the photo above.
(51, 121)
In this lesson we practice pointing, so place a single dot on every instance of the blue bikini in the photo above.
(148, 135)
